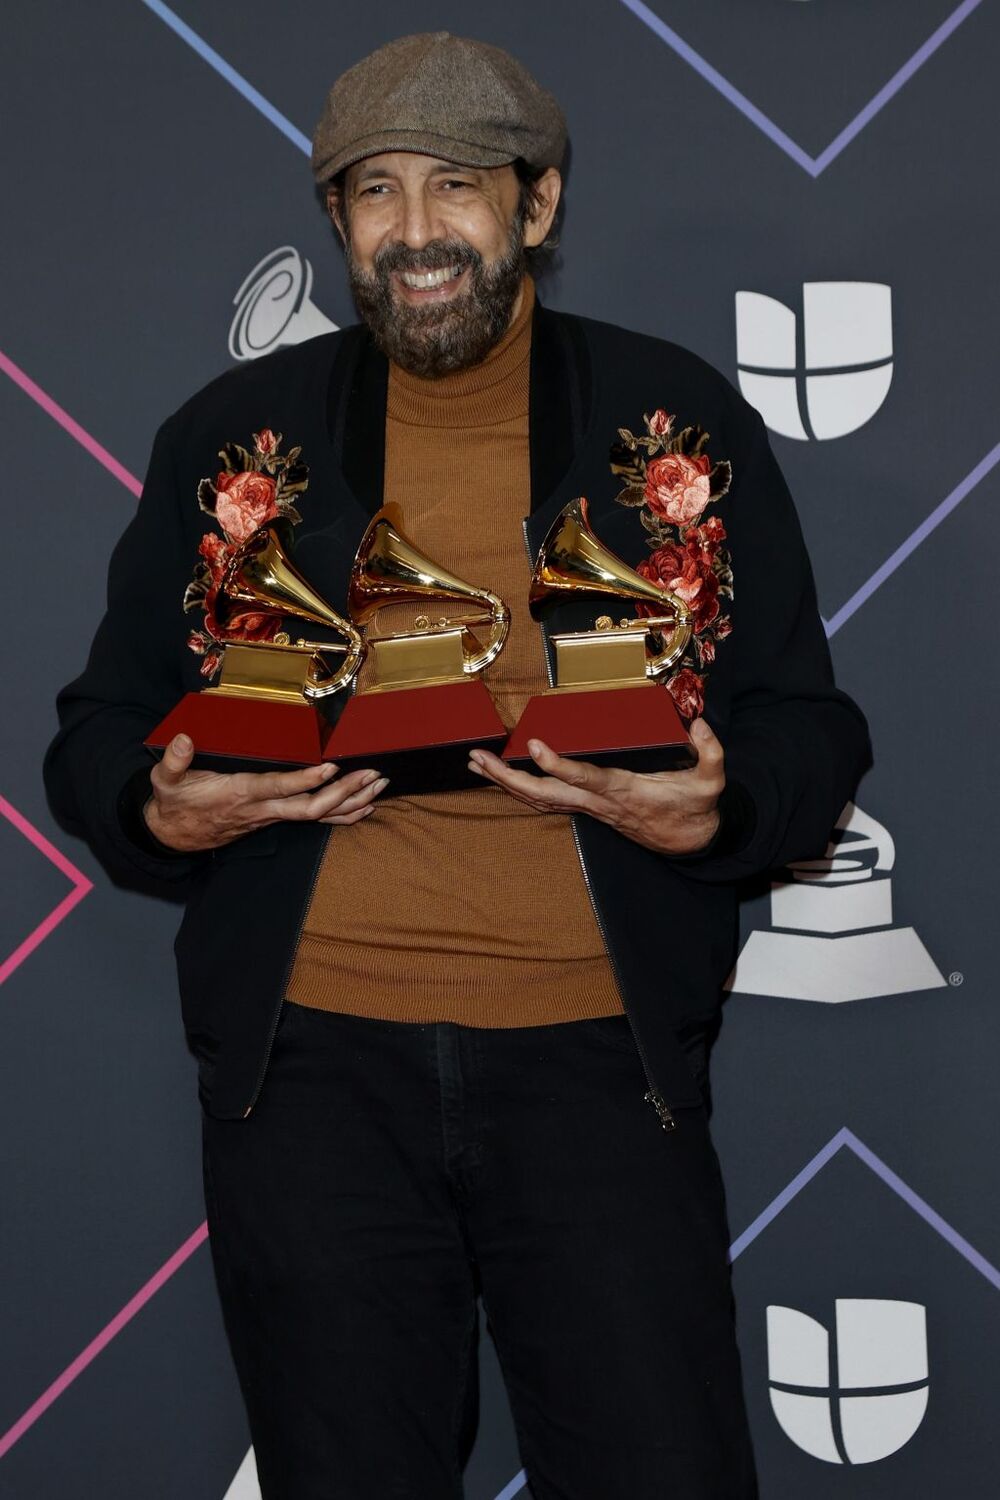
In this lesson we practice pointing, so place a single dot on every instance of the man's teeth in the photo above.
(421, 280)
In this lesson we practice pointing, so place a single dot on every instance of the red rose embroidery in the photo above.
(244, 502)
(212, 662)
(253, 487)
(244, 625)
(687, 690)
(712, 533)
(670, 476)
(687, 572)
(677, 487)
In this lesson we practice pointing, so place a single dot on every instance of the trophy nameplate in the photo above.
(607, 706)
(426, 705)
(264, 714)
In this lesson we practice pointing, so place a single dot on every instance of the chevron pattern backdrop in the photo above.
(797, 189)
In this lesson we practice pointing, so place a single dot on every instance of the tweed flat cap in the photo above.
(443, 95)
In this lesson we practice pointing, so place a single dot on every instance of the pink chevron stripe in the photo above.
(81, 885)
(96, 1345)
(69, 424)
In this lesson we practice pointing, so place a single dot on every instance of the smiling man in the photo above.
(453, 1047)
(437, 305)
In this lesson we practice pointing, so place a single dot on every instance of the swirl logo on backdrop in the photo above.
(274, 307)
(864, 1399)
(821, 374)
(833, 938)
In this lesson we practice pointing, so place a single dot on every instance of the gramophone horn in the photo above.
(573, 560)
(390, 569)
(261, 573)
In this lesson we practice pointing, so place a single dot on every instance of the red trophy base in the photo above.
(420, 737)
(231, 733)
(636, 727)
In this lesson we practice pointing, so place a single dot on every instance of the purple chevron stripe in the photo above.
(865, 1154)
(912, 542)
(814, 165)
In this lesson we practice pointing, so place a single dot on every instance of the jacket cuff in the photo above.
(737, 826)
(131, 800)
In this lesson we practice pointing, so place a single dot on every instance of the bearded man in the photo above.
(452, 1046)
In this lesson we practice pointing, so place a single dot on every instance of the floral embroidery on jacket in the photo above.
(671, 478)
(250, 490)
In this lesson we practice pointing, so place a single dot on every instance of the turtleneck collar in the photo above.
(493, 391)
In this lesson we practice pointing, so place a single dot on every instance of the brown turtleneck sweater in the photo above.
(461, 906)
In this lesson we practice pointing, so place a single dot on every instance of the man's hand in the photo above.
(194, 810)
(673, 812)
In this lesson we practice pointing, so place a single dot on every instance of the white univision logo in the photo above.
(835, 379)
(245, 1485)
(864, 1398)
(835, 939)
(273, 306)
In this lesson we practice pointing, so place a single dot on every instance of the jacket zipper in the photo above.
(652, 1095)
(288, 969)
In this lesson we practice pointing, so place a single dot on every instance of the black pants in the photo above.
(389, 1174)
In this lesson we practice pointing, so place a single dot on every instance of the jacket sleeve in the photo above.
(795, 744)
(97, 767)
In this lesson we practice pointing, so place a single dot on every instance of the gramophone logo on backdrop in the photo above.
(833, 937)
(274, 308)
(832, 379)
(870, 1399)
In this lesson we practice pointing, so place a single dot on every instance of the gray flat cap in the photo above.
(443, 95)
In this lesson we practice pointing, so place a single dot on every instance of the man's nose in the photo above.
(419, 223)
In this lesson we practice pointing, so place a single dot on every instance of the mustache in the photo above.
(436, 255)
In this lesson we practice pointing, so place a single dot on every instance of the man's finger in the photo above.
(176, 761)
(579, 773)
(710, 752)
(341, 819)
(359, 788)
(263, 786)
(548, 793)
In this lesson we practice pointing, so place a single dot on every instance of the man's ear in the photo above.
(335, 208)
(542, 212)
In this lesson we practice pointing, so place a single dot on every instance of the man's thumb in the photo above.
(178, 756)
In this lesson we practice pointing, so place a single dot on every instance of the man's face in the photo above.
(435, 256)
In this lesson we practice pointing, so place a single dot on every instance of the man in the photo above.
(454, 1045)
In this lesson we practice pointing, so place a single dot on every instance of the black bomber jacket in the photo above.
(795, 745)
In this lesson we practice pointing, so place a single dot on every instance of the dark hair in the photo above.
(539, 257)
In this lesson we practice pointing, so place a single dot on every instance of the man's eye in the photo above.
(373, 188)
(456, 182)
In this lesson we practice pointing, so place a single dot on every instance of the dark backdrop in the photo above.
(783, 148)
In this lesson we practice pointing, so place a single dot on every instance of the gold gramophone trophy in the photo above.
(427, 705)
(607, 705)
(263, 712)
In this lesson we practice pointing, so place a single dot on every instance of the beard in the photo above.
(443, 336)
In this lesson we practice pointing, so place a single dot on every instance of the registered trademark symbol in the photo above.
(956, 978)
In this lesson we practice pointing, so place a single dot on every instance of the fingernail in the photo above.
(328, 770)
(381, 784)
(476, 768)
(182, 744)
(475, 758)
(534, 747)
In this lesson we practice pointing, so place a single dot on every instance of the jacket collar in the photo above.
(560, 407)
